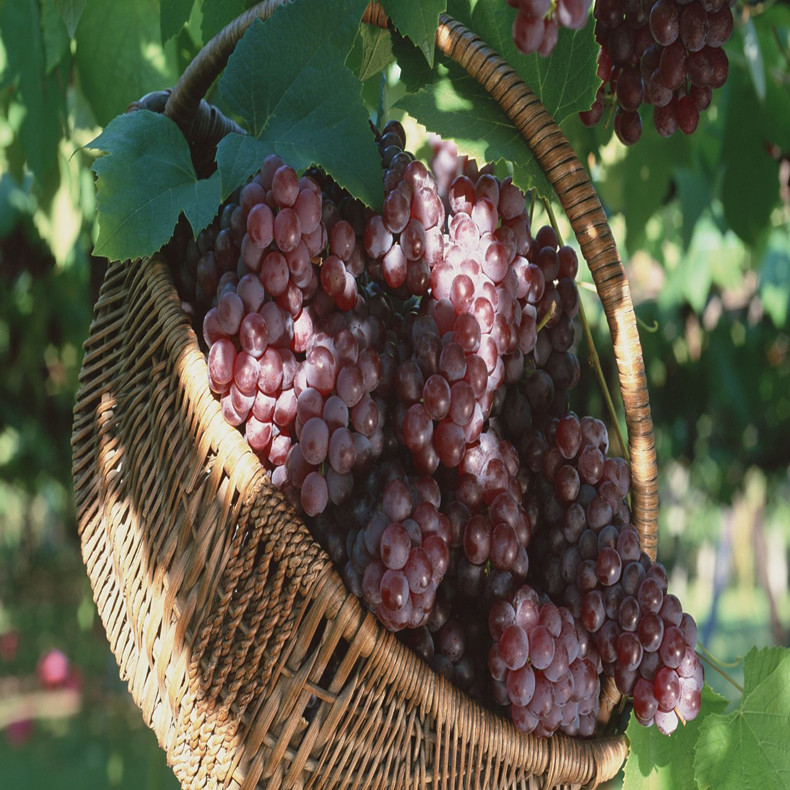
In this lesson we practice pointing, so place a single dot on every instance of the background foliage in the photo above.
(702, 222)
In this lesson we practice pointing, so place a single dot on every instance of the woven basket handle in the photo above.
(564, 172)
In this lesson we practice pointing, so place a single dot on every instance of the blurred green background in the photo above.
(702, 223)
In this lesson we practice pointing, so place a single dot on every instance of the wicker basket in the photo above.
(222, 611)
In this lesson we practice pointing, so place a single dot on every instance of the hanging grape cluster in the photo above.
(666, 53)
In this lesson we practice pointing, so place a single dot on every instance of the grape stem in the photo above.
(718, 661)
(611, 113)
(595, 360)
(531, 206)
(546, 318)
(707, 657)
(649, 328)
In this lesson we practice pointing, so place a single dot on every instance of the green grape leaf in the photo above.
(565, 82)
(71, 11)
(418, 21)
(173, 15)
(754, 56)
(696, 194)
(774, 276)
(238, 156)
(748, 747)
(15, 201)
(773, 34)
(144, 181)
(119, 55)
(309, 108)
(661, 762)
(376, 51)
(415, 73)
(459, 109)
(639, 182)
(217, 14)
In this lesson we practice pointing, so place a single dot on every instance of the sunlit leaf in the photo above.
(749, 747)
(417, 20)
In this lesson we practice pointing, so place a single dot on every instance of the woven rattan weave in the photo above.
(247, 656)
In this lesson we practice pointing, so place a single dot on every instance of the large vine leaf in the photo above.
(301, 101)
(70, 11)
(661, 762)
(418, 21)
(145, 180)
(748, 748)
(750, 188)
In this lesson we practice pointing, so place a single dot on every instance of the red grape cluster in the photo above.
(591, 560)
(667, 53)
(541, 666)
(294, 350)
(400, 557)
(404, 377)
(484, 285)
(537, 23)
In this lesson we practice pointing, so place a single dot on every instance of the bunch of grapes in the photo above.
(405, 377)
(294, 351)
(542, 666)
(479, 303)
(591, 560)
(401, 555)
(667, 53)
(537, 23)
